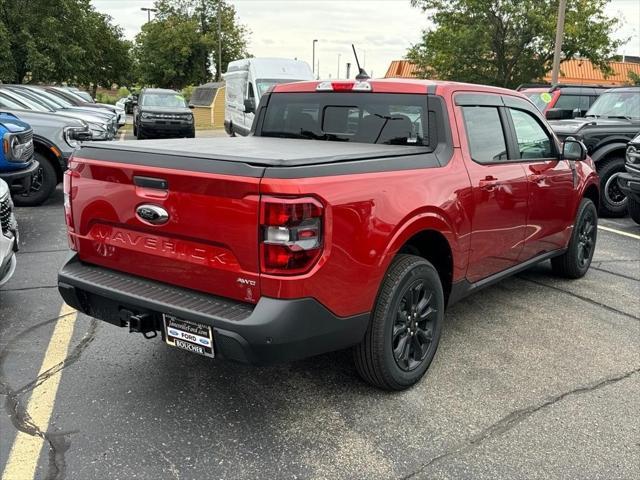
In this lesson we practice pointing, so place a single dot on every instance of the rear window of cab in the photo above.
(364, 117)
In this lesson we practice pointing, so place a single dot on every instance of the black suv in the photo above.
(559, 102)
(630, 182)
(162, 113)
(611, 122)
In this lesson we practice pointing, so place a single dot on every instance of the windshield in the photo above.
(173, 100)
(617, 104)
(263, 84)
(393, 119)
(36, 100)
(539, 99)
(27, 102)
(62, 103)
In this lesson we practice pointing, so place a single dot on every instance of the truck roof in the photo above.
(398, 85)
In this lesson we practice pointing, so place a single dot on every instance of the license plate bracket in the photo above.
(188, 335)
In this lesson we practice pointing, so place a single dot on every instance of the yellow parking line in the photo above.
(25, 452)
(619, 232)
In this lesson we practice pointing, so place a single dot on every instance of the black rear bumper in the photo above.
(271, 331)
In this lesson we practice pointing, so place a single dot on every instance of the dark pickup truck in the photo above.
(351, 217)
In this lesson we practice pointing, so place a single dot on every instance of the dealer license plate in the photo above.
(187, 335)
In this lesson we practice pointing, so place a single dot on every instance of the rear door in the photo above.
(209, 241)
(499, 186)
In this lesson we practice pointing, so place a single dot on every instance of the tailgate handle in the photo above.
(150, 182)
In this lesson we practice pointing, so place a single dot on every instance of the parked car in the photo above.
(102, 125)
(355, 213)
(629, 182)
(81, 93)
(162, 113)
(78, 101)
(17, 166)
(611, 122)
(8, 235)
(561, 101)
(248, 79)
(55, 138)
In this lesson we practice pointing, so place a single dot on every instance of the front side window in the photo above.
(533, 141)
(485, 134)
(392, 119)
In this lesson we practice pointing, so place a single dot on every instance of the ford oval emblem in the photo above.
(152, 214)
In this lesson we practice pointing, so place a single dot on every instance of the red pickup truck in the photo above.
(352, 216)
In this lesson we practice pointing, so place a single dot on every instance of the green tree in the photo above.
(508, 42)
(59, 41)
(234, 35)
(634, 78)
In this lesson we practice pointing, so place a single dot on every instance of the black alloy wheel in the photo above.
(586, 238)
(413, 328)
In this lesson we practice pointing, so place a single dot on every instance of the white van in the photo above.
(248, 79)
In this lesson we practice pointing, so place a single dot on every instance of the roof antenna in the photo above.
(362, 75)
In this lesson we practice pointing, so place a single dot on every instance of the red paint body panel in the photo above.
(212, 237)
(209, 242)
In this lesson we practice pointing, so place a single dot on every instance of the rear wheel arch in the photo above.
(433, 246)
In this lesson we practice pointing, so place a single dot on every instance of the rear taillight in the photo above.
(68, 212)
(291, 234)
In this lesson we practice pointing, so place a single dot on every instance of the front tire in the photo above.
(405, 326)
(43, 184)
(613, 202)
(575, 262)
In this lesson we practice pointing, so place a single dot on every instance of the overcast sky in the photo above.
(381, 29)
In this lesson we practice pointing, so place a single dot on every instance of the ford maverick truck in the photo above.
(353, 214)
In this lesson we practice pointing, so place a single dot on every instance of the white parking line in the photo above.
(619, 232)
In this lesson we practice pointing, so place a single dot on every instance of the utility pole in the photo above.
(313, 58)
(149, 10)
(348, 70)
(555, 72)
(219, 69)
(338, 76)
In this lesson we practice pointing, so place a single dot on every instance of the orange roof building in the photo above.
(578, 71)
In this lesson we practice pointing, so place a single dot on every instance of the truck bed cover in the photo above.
(254, 151)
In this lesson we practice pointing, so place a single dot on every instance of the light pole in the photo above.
(562, 6)
(338, 76)
(313, 58)
(149, 10)
(219, 69)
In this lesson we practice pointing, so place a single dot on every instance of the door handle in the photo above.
(537, 178)
(488, 183)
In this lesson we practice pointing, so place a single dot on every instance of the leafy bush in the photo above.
(106, 98)
(187, 92)
(123, 92)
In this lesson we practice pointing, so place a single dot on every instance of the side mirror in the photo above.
(557, 114)
(249, 105)
(573, 149)
(191, 107)
(576, 113)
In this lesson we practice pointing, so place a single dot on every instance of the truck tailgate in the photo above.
(208, 243)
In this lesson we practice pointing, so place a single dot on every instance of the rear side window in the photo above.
(392, 119)
(485, 134)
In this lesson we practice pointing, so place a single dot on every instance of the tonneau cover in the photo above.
(258, 151)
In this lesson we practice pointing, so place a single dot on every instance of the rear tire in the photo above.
(43, 184)
(613, 202)
(575, 262)
(139, 134)
(634, 210)
(405, 326)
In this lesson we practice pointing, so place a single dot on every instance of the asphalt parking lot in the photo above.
(535, 377)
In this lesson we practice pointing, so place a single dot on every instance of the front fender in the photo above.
(604, 151)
